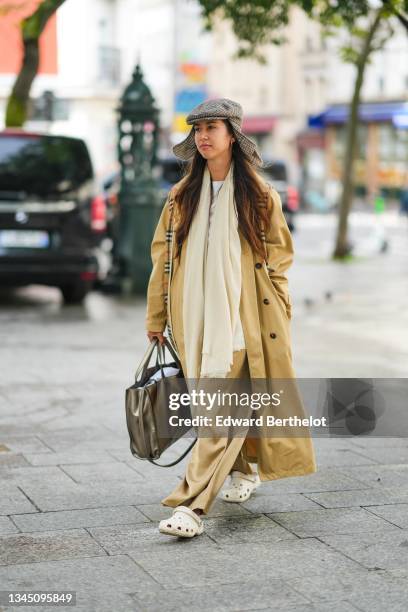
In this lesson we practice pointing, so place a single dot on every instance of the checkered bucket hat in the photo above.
(220, 108)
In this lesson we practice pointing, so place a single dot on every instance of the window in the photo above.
(361, 145)
(48, 108)
(339, 142)
(43, 165)
(362, 135)
(109, 64)
(393, 143)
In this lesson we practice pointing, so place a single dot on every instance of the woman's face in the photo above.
(212, 138)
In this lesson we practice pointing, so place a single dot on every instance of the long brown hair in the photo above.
(249, 195)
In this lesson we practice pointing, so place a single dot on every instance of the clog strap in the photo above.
(241, 476)
(189, 512)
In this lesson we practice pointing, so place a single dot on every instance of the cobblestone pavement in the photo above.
(78, 512)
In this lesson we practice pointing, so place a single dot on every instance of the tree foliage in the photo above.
(256, 23)
(366, 25)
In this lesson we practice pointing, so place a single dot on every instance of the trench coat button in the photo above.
(272, 335)
(266, 301)
(258, 265)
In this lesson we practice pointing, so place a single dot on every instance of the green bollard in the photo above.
(140, 212)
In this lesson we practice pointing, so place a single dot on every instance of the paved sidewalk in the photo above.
(78, 512)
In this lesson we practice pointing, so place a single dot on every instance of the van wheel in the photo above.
(74, 293)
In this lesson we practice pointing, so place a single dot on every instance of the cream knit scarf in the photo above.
(212, 283)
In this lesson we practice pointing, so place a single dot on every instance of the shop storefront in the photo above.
(381, 165)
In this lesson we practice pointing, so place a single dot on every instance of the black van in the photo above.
(51, 220)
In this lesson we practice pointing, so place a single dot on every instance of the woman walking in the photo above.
(228, 310)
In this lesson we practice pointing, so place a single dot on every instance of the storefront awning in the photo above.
(310, 139)
(258, 124)
(375, 112)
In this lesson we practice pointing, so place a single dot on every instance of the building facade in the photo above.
(90, 49)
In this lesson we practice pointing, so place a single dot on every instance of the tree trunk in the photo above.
(342, 248)
(31, 28)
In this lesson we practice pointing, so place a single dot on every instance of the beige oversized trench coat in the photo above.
(265, 310)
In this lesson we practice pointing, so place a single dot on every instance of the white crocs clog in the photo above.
(241, 488)
(184, 523)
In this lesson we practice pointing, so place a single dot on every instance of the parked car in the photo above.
(171, 171)
(110, 194)
(168, 171)
(276, 173)
(52, 221)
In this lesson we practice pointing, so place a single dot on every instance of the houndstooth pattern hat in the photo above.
(219, 108)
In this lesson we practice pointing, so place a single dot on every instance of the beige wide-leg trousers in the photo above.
(212, 459)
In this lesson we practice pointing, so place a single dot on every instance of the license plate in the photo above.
(24, 239)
